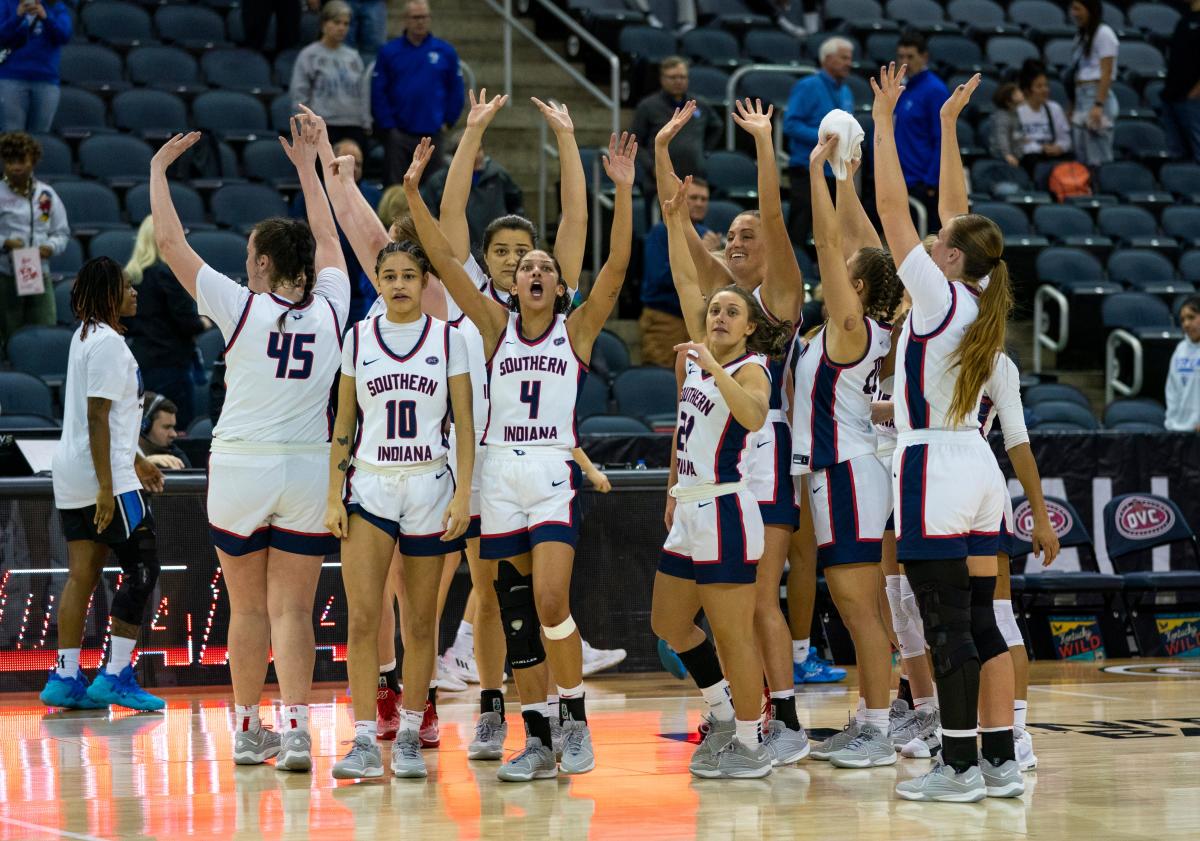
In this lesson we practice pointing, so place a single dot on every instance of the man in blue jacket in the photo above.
(32, 33)
(918, 123)
(812, 98)
(416, 90)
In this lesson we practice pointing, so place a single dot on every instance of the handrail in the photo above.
(1041, 337)
(922, 217)
(731, 88)
(1112, 382)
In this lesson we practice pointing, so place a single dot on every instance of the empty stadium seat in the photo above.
(731, 14)
(64, 316)
(770, 46)
(153, 114)
(283, 65)
(116, 158)
(225, 251)
(231, 114)
(67, 263)
(919, 14)
(711, 46)
(593, 398)
(646, 392)
(1140, 139)
(1189, 266)
(194, 27)
(25, 394)
(93, 67)
(265, 160)
(770, 86)
(117, 23)
(1132, 182)
(1041, 18)
(1056, 392)
(721, 214)
(91, 206)
(1057, 52)
(998, 178)
(239, 70)
(1063, 412)
(187, 201)
(115, 244)
(605, 14)
(612, 425)
(1135, 227)
(1137, 409)
(1183, 223)
(1140, 60)
(1146, 271)
(1182, 179)
(644, 43)
(610, 356)
(80, 113)
(956, 54)
(1010, 52)
(200, 428)
(731, 174)
(41, 352)
(1012, 220)
(1068, 225)
(982, 16)
(1157, 19)
(709, 84)
(242, 206)
(1068, 266)
(211, 345)
(57, 162)
(880, 48)
(164, 67)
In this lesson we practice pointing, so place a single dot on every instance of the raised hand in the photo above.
(421, 157)
(316, 119)
(170, 151)
(752, 118)
(619, 162)
(678, 202)
(556, 115)
(958, 100)
(674, 125)
(702, 354)
(344, 167)
(302, 151)
(484, 110)
(823, 150)
(887, 89)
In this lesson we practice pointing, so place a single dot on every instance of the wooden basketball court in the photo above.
(1118, 750)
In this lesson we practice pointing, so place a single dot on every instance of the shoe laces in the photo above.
(532, 746)
(574, 739)
(409, 748)
(484, 729)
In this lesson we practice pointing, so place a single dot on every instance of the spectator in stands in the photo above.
(157, 440)
(918, 122)
(1094, 65)
(811, 99)
(652, 113)
(163, 334)
(1005, 139)
(416, 90)
(31, 215)
(256, 18)
(494, 193)
(368, 25)
(392, 206)
(32, 33)
(1181, 93)
(1047, 133)
(1183, 380)
(662, 320)
(330, 78)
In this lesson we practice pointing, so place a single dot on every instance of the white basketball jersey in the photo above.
(533, 386)
(885, 433)
(403, 394)
(474, 340)
(831, 419)
(710, 444)
(1002, 389)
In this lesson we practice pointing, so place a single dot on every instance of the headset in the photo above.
(148, 414)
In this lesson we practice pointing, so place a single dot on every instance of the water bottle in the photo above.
(641, 464)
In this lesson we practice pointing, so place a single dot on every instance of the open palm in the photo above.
(752, 118)
(556, 115)
(619, 162)
(484, 110)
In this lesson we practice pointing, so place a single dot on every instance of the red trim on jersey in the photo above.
(337, 325)
(235, 534)
(241, 323)
(945, 321)
(854, 500)
(704, 375)
(539, 339)
(845, 365)
(416, 347)
(292, 305)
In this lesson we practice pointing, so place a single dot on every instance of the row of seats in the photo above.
(192, 26)
(1174, 227)
(1054, 405)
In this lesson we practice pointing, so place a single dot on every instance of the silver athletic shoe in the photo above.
(490, 732)
(556, 735)
(704, 760)
(902, 723)
(295, 751)
(836, 742)
(943, 784)
(926, 742)
(871, 748)
(406, 756)
(1023, 743)
(535, 762)
(254, 747)
(1003, 780)
(364, 761)
(737, 761)
(577, 754)
(783, 744)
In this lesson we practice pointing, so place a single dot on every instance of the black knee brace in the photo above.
(518, 614)
(943, 592)
(989, 642)
(139, 575)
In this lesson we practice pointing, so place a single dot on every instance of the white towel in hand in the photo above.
(850, 138)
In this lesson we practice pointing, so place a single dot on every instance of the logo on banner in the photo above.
(1060, 520)
(1077, 638)
(1143, 518)
(1180, 634)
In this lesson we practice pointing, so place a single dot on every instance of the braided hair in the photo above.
(876, 269)
(406, 246)
(290, 245)
(97, 293)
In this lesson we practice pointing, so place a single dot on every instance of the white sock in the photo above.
(800, 650)
(384, 668)
(120, 655)
(925, 704)
(860, 711)
(552, 711)
(569, 692)
(68, 662)
(411, 720)
(464, 637)
(720, 703)
(247, 717)
(876, 718)
(1020, 710)
(294, 716)
(366, 728)
(783, 694)
(748, 732)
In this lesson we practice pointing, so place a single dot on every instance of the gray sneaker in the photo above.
(926, 742)
(490, 732)
(737, 761)
(1003, 780)
(943, 784)
(406, 756)
(577, 754)
(784, 745)
(704, 760)
(556, 735)
(870, 749)
(254, 747)
(295, 751)
(535, 762)
(836, 742)
(364, 761)
(902, 723)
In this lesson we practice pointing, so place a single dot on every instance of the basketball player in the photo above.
(833, 441)
(283, 336)
(402, 373)
(529, 518)
(759, 258)
(947, 528)
(98, 490)
(715, 538)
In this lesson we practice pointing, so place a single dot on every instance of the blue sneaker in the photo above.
(123, 690)
(817, 670)
(69, 693)
(670, 660)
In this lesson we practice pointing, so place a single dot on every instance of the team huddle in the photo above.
(455, 432)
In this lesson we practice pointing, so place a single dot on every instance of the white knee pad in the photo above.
(892, 589)
(912, 640)
(1007, 623)
(560, 631)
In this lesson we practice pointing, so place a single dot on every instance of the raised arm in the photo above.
(952, 181)
(302, 152)
(571, 239)
(586, 322)
(856, 227)
(457, 189)
(845, 331)
(169, 238)
(891, 195)
(783, 284)
(487, 315)
(683, 268)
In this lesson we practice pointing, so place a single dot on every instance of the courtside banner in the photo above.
(1180, 633)
(1077, 637)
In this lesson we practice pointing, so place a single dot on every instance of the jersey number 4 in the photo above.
(288, 348)
(531, 393)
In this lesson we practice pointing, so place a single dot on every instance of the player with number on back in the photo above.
(270, 453)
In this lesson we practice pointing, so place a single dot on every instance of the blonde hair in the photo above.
(392, 205)
(145, 252)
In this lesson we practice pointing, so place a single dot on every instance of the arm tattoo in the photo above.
(343, 465)
(344, 440)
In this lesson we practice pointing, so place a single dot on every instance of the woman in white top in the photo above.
(1094, 62)
(1183, 378)
(330, 78)
(1043, 122)
(283, 351)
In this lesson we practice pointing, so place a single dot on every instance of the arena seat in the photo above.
(242, 206)
(612, 425)
(41, 352)
(187, 201)
(238, 69)
(646, 392)
(63, 315)
(1114, 16)
(770, 46)
(1155, 19)
(1006, 51)
(1135, 409)
(118, 159)
(731, 14)
(711, 46)
(117, 245)
(193, 27)
(57, 162)
(117, 23)
(1011, 219)
(1189, 266)
(1127, 223)
(981, 18)
(593, 398)
(25, 394)
(956, 54)
(68, 262)
(1063, 412)
(772, 87)
(225, 251)
(919, 14)
(80, 113)
(1041, 19)
(265, 160)
(1139, 60)
(603, 16)
(1132, 182)
(731, 175)
(1051, 586)
(153, 114)
(166, 68)
(91, 206)
(1057, 53)
(610, 356)
(200, 428)
(721, 214)
(1140, 139)
(1146, 271)
(92, 67)
(646, 44)
(1183, 223)
(880, 48)
(1067, 225)
(1057, 392)
(711, 84)
(1182, 179)
(211, 344)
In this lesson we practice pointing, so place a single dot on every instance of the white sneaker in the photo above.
(447, 681)
(460, 664)
(1023, 743)
(599, 659)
